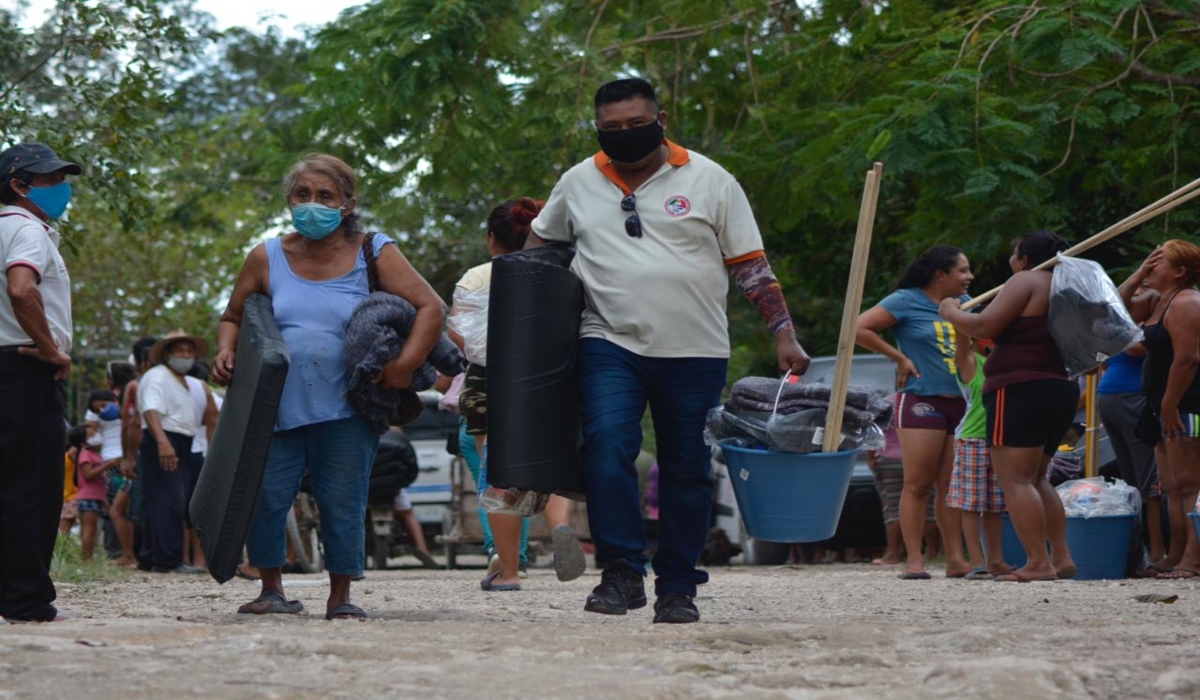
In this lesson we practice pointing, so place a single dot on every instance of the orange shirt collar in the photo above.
(676, 156)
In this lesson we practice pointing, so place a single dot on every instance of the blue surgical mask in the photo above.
(316, 221)
(110, 412)
(52, 200)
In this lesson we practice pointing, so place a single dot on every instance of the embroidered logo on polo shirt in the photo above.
(677, 205)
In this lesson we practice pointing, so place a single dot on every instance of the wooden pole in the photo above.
(1180, 196)
(854, 293)
(1091, 453)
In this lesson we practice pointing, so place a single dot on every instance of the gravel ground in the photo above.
(833, 631)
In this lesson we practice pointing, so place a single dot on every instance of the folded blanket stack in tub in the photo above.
(792, 418)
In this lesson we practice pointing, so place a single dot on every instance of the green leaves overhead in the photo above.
(991, 117)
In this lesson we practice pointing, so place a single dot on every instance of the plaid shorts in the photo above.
(889, 483)
(973, 485)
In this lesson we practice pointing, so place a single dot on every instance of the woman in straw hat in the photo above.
(167, 466)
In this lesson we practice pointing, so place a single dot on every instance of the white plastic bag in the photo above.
(1095, 496)
(1088, 320)
(469, 319)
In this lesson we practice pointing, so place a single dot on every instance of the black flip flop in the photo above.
(915, 576)
(276, 604)
(347, 611)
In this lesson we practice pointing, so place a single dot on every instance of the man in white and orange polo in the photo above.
(659, 229)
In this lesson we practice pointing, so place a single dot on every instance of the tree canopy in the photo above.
(992, 118)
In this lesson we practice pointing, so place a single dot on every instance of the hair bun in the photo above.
(526, 210)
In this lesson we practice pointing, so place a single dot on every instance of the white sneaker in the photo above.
(493, 564)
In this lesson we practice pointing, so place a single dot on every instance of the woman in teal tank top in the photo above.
(316, 276)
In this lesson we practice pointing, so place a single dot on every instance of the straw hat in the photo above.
(156, 352)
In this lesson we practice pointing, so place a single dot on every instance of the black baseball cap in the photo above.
(36, 158)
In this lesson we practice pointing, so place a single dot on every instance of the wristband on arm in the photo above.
(758, 284)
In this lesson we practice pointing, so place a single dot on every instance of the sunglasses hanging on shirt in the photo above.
(633, 225)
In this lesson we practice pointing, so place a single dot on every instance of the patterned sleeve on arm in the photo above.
(758, 284)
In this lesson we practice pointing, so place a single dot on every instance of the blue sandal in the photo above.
(489, 584)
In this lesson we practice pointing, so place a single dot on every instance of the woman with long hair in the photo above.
(930, 406)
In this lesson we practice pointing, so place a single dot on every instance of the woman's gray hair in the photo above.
(332, 167)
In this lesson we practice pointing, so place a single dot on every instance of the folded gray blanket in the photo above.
(764, 389)
(863, 405)
(375, 334)
(853, 417)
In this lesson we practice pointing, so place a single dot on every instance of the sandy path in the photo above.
(840, 631)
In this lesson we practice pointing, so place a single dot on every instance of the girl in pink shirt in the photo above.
(93, 485)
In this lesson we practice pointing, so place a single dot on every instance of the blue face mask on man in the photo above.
(316, 221)
(51, 200)
(110, 412)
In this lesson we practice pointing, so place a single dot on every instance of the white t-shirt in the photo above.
(25, 240)
(161, 391)
(476, 278)
(110, 430)
(661, 295)
(199, 393)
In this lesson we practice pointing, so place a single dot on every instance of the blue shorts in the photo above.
(88, 505)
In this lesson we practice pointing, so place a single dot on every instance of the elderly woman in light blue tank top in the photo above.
(316, 276)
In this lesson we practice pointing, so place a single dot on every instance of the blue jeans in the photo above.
(338, 456)
(615, 387)
(479, 474)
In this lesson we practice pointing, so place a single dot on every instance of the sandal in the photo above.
(1178, 573)
(243, 571)
(489, 584)
(347, 611)
(271, 602)
(979, 573)
(1162, 566)
(1017, 577)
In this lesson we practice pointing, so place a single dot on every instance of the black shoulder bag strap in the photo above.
(368, 250)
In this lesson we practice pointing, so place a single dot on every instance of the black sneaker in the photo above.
(621, 589)
(675, 608)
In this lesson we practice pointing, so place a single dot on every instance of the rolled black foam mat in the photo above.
(533, 418)
(227, 492)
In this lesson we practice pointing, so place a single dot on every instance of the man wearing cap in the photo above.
(35, 337)
(169, 423)
(659, 230)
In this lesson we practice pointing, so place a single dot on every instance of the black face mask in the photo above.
(631, 145)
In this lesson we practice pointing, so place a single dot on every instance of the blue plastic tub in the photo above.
(1099, 545)
(1014, 553)
(787, 497)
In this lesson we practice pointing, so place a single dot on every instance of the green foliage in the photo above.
(991, 118)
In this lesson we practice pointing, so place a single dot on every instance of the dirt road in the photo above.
(837, 631)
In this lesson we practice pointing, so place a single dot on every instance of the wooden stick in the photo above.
(1091, 454)
(854, 293)
(1162, 206)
